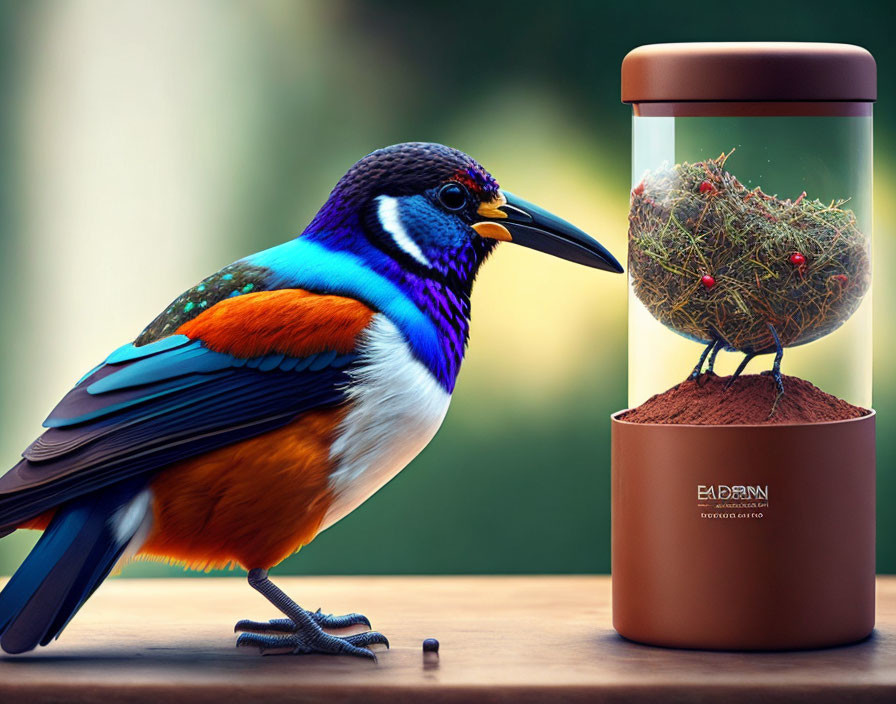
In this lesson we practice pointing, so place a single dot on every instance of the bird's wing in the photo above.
(244, 366)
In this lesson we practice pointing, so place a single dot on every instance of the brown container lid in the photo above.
(748, 71)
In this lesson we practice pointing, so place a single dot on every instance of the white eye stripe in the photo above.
(390, 221)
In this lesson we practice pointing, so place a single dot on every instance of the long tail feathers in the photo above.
(74, 555)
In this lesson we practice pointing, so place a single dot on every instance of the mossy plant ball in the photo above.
(712, 259)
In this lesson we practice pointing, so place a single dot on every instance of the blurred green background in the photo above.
(146, 144)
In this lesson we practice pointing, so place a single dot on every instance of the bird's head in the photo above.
(434, 211)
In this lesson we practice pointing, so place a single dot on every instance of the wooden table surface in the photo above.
(515, 639)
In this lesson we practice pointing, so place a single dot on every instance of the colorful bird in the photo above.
(271, 399)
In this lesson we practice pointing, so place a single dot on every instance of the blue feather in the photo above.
(343, 360)
(269, 362)
(129, 352)
(289, 363)
(324, 359)
(303, 263)
(304, 363)
(74, 555)
(181, 361)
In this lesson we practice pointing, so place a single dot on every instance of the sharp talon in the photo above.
(330, 621)
(365, 653)
(368, 638)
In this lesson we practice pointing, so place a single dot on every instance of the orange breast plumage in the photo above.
(253, 503)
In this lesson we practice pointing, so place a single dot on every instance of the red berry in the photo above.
(842, 278)
(707, 281)
(797, 259)
(707, 187)
(639, 189)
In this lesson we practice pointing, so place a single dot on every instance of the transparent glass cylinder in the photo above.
(794, 160)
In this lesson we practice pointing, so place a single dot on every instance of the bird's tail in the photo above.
(77, 551)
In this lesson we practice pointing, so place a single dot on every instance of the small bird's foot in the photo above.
(302, 633)
(293, 639)
(285, 625)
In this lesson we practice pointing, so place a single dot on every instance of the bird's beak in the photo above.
(511, 219)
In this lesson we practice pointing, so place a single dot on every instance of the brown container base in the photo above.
(743, 537)
(798, 644)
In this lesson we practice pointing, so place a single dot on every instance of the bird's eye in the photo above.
(453, 196)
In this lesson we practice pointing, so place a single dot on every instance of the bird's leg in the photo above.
(302, 631)
(706, 350)
(737, 372)
(717, 346)
(712, 356)
(775, 371)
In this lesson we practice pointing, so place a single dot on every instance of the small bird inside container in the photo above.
(741, 270)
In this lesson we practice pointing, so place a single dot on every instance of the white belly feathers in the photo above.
(396, 407)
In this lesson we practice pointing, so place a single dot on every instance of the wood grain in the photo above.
(515, 639)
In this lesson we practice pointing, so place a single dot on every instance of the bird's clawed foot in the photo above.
(285, 625)
(283, 636)
(302, 631)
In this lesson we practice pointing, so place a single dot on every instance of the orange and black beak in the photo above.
(511, 219)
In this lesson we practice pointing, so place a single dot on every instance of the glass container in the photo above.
(749, 252)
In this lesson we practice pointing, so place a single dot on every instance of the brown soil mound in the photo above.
(749, 401)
